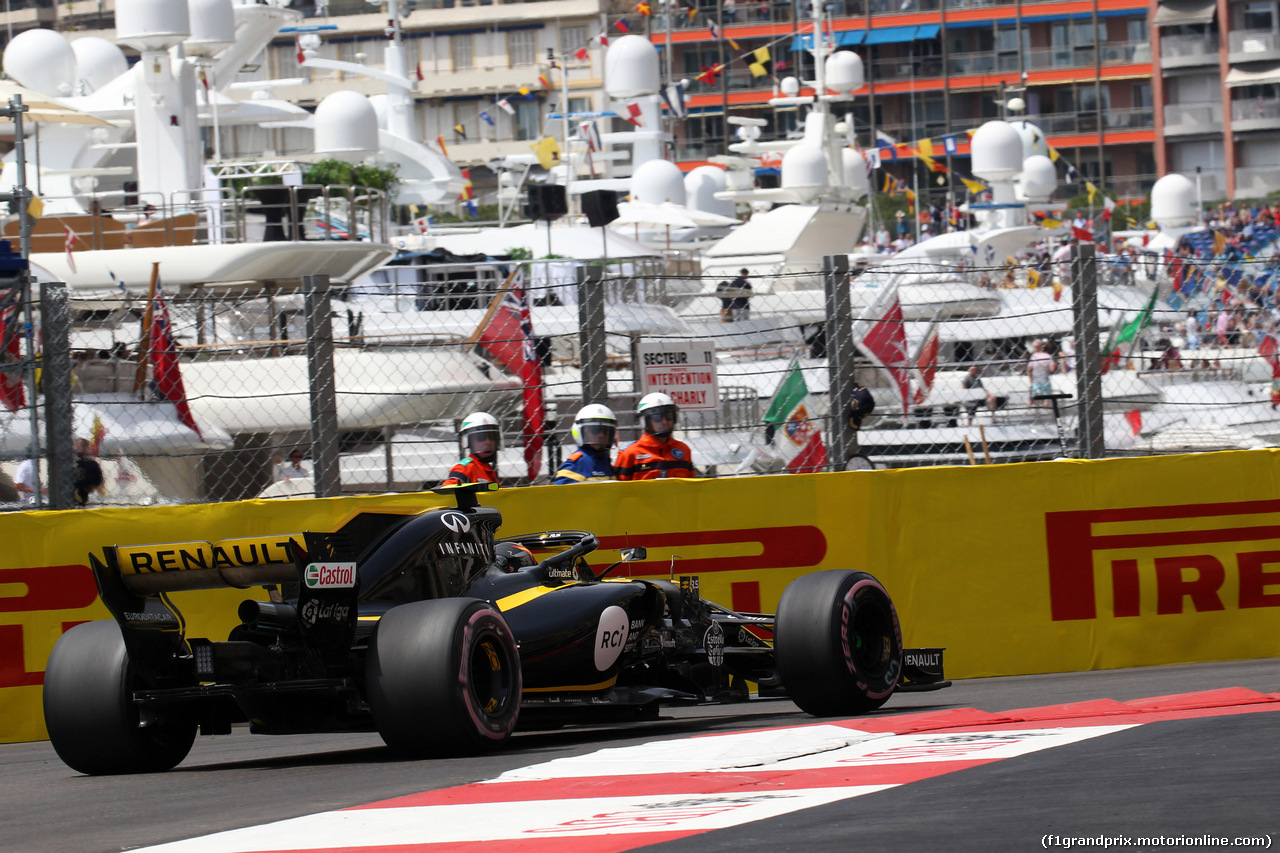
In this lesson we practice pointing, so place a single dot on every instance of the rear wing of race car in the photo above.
(318, 569)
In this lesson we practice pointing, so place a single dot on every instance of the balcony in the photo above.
(1257, 181)
(1086, 121)
(1188, 119)
(1188, 51)
(1255, 114)
(1252, 46)
(1040, 59)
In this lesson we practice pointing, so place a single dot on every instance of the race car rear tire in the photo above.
(444, 677)
(838, 643)
(93, 722)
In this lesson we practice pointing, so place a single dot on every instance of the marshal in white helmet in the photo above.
(595, 429)
(481, 438)
(656, 455)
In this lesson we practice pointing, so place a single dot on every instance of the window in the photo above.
(466, 114)
(462, 49)
(579, 105)
(572, 38)
(1138, 31)
(526, 120)
(1142, 95)
(522, 47)
(1258, 16)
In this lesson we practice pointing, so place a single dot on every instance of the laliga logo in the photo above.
(456, 522)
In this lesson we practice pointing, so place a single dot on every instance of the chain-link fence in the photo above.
(267, 391)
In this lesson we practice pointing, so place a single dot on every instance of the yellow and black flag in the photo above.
(460, 130)
(759, 63)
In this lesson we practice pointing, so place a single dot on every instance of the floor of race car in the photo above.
(990, 764)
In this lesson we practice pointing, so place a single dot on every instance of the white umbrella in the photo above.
(668, 215)
(42, 109)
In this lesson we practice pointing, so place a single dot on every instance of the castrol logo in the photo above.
(330, 575)
(611, 636)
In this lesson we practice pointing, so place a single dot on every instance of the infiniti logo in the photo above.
(456, 521)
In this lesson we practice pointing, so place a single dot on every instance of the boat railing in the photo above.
(260, 213)
(418, 282)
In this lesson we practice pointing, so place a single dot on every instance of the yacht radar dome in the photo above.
(346, 126)
(997, 151)
(213, 27)
(381, 108)
(631, 68)
(854, 167)
(1173, 201)
(844, 72)
(790, 86)
(1039, 178)
(804, 167)
(700, 187)
(152, 25)
(98, 62)
(1033, 141)
(42, 60)
(657, 181)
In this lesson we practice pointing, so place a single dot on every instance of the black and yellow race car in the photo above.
(444, 639)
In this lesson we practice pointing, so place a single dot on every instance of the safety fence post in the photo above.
(322, 385)
(1084, 306)
(840, 354)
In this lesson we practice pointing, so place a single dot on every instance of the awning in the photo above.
(1239, 77)
(844, 39)
(891, 35)
(1171, 13)
(927, 31)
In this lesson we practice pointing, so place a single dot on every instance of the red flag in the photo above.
(927, 364)
(633, 114)
(1269, 349)
(1134, 419)
(1112, 360)
(302, 57)
(812, 457)
(164, 364)
(1178, 272)
(418, 70)
(72, 239)
(580, 54)
(12, 394)
(1082, 234)
(508, 337)
(885, 341)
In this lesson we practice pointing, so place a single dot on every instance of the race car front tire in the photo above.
(443, 677)
(93, 722)
(838, 643)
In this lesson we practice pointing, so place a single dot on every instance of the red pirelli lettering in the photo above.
(1071, 544)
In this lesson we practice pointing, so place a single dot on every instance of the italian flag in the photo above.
(798, 439)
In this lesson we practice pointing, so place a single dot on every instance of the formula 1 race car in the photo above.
(428, 630)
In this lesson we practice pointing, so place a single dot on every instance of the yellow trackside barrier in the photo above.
(1044, 567)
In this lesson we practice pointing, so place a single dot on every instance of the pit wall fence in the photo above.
(1014, 569)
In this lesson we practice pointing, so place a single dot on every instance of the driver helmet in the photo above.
(595, 426)
(480, 435)
(658, 414)
(512, 557)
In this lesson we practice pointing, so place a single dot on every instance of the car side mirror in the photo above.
(634, 555)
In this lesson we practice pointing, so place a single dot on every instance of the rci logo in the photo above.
(456, 521)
